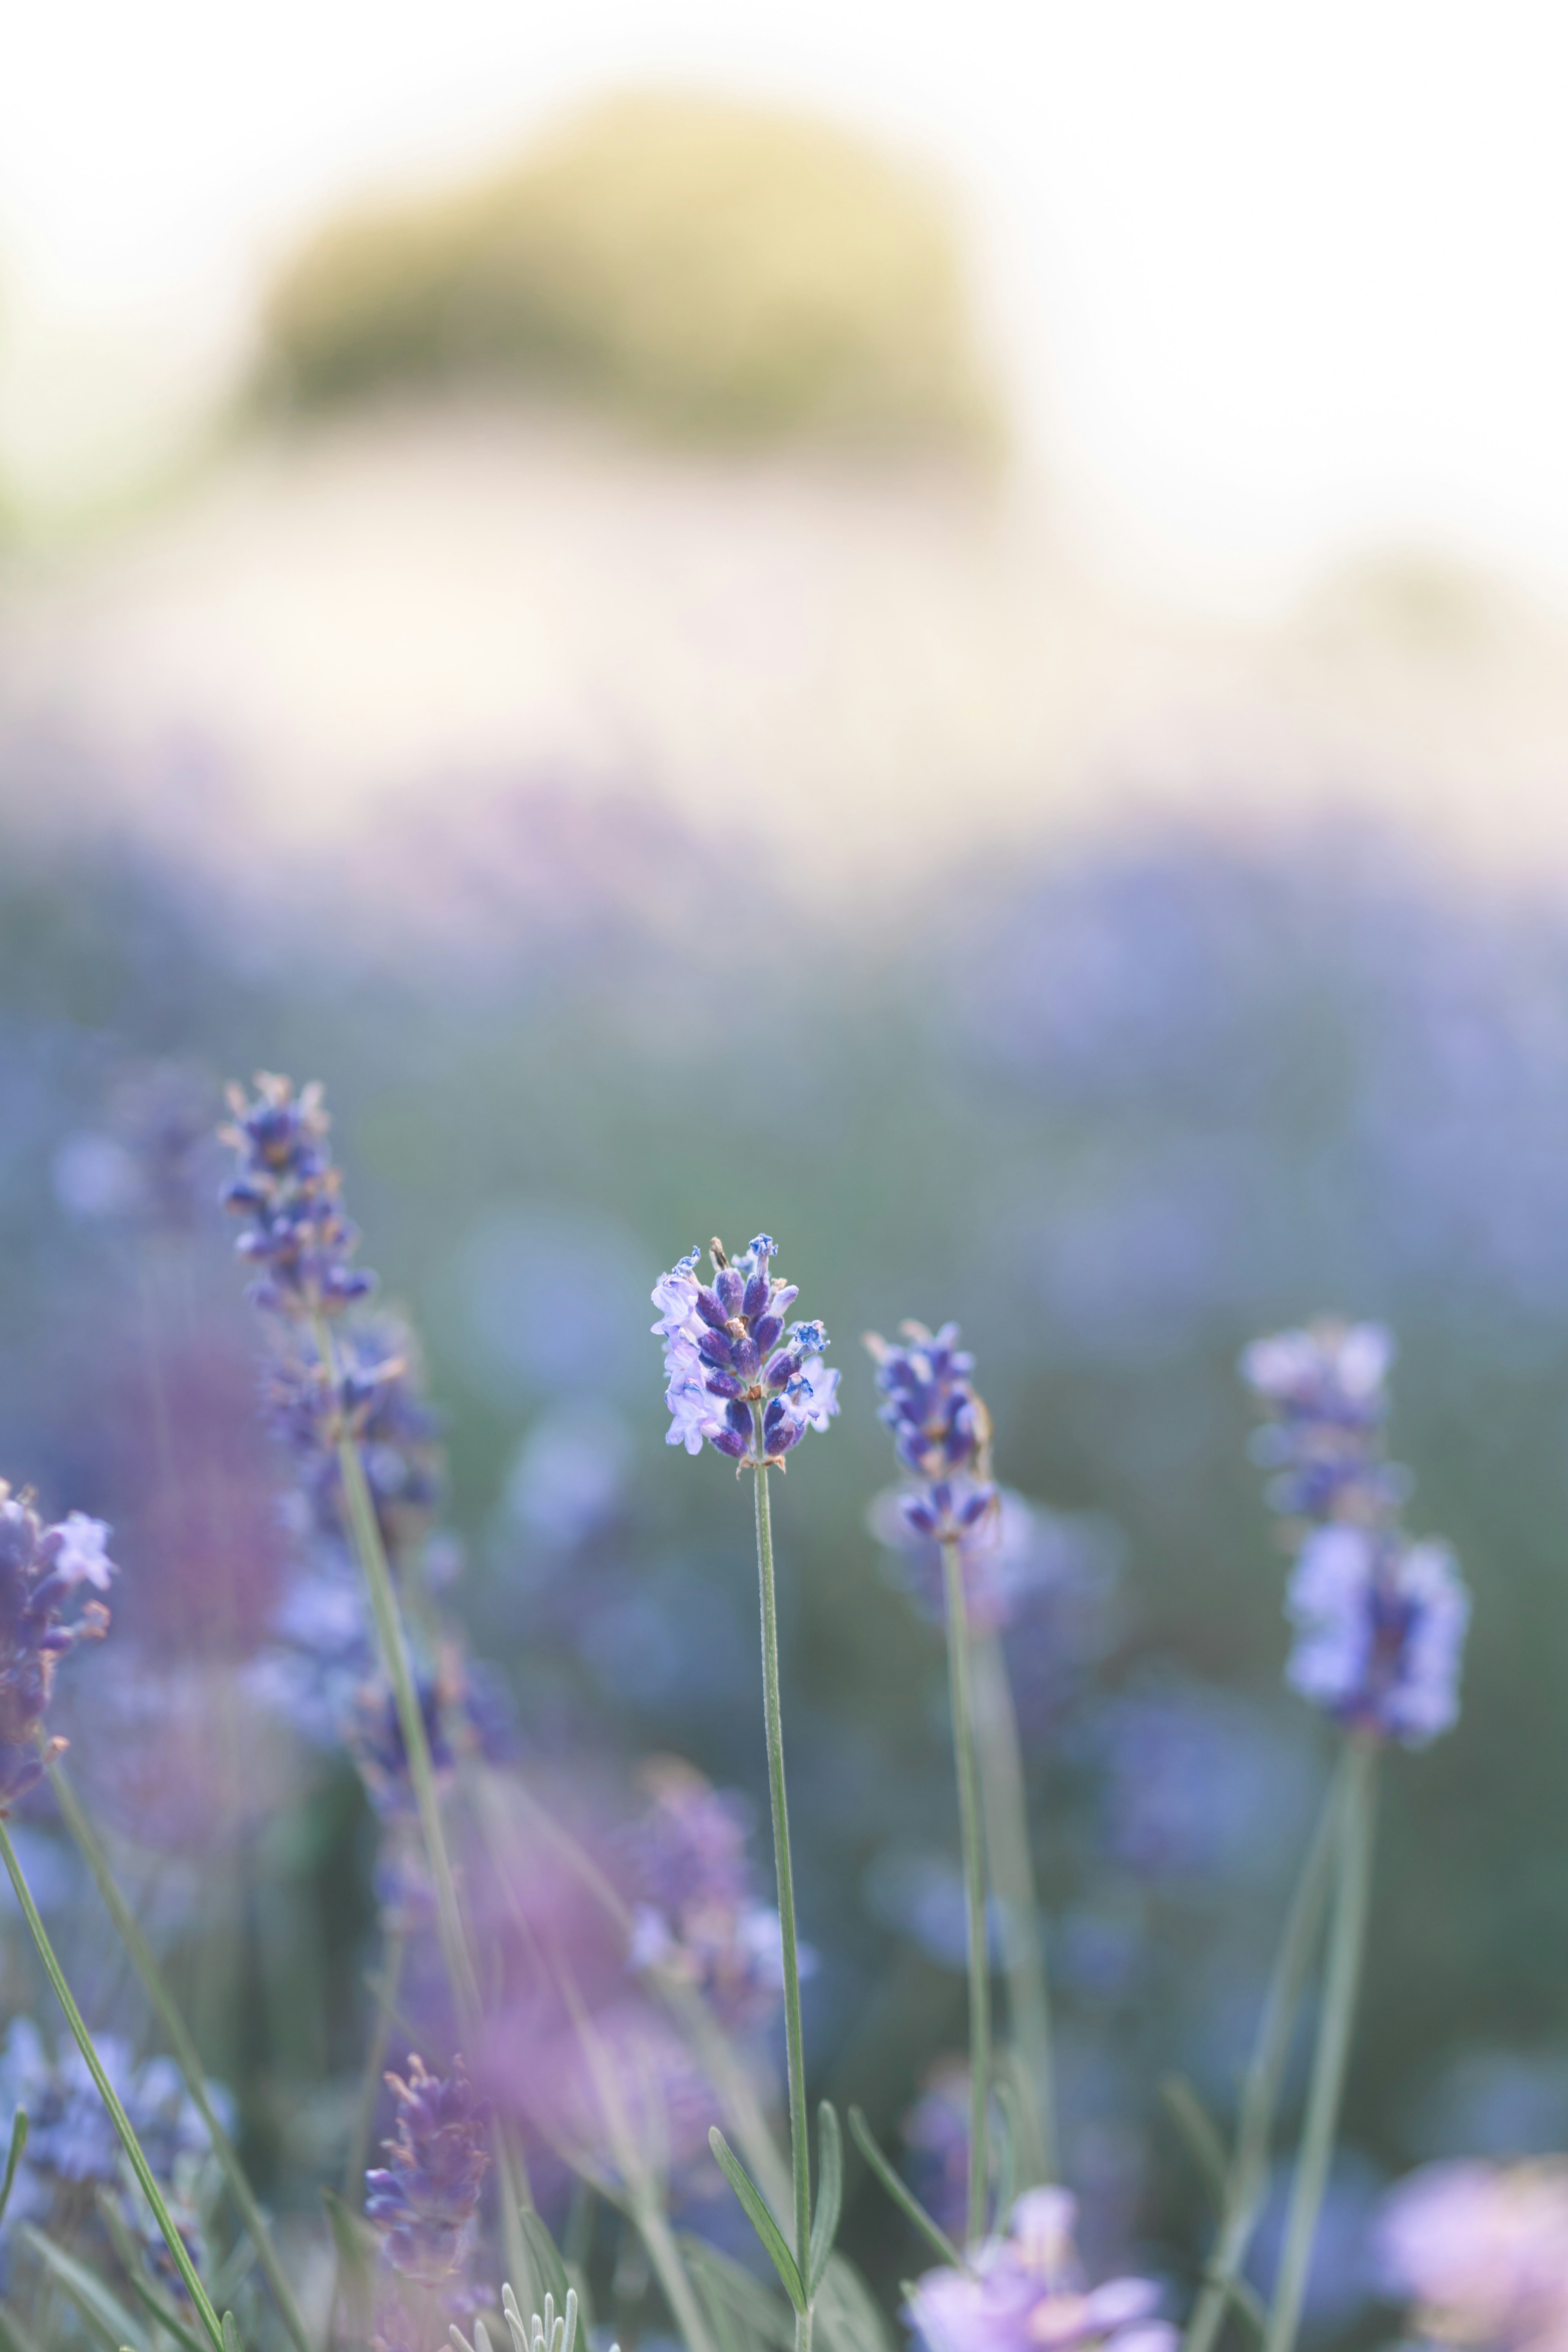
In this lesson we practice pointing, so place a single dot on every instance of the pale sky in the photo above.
(1272, 284)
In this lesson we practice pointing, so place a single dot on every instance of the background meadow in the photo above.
(823, 839)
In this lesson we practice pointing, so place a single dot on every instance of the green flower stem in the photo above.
(1013, 1874)
(974, 1836)
(1347, 1936)
(386, 1992)
(1260, 2091)
(118, 2116)
(145, 1961)
(794, 2040)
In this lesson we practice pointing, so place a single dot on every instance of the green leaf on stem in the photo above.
(1205, 2145)
(18, 2142)
(829, 2194)
(904, 2198)
(231, 2342)
(760, 2219)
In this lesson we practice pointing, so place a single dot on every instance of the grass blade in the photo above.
(829, 2194)
(1205, 2145)
(760, 2219)
(18, 2142)
(904, 2197)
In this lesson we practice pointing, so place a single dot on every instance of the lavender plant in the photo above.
(736, 1379)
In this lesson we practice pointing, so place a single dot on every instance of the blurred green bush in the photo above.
(714, 269)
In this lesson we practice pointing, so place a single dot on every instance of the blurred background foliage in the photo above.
(709, 269)
(1117, 1110)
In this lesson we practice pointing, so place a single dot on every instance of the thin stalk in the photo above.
(1260, 2091)
(974, 1836)
(794, 2039)
(1347, 1936)
(511, 2172)
(1013, 1876)
(128, 1927)
(118, 2116)
(375, 2063)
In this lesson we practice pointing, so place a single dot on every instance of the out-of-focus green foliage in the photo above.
(714, 269)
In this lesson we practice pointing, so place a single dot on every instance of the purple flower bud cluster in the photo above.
(1380, 1619)
(426, 2201)
(942, 1431)
(41, 1571)
(730, 1361)
(288, 1188)
(1028, 2290)
(1482, 2252)
(697, 1917)
(375, 1741)
(1325, 1391)
(373, 1396)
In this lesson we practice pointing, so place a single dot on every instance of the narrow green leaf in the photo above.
(106, 2316)
(760, 2219)
(1205, 2145)
(1004, 2171)
(231, 2342)
(549, 2270)
(829, 2194)
(140, 2286)
(908, 2204)
(18, 2142)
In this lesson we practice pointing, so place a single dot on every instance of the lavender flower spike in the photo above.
(727, 1355)
(426, 2201)
(1380, 1620)
(40, 1570)
(1028, 2290)
(287, 1186)
(941, 1431)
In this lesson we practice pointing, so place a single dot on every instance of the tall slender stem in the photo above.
(1260, 2091)
(106, 2092)
(1347, 1936)
(794, 2039)
(128, 1927)
(1013, 1878)
(974, 1836)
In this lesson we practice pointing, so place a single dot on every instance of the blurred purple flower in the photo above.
(935, 2133)
(1197, 1784)
(40, 1570)
(1028, 2290)
(727, 1351)
(425, 2202)
(941, 1433)
(1481, 2253)
(288, 1188)
(698, 1919)
(1325, 1388)
(373, 1397)
(1381, 1631)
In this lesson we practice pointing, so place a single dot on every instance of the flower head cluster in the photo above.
(288, 1188)
(42, 1570)
(697, 1917)
(1324, 1389)
(73, 2147)
(372, 1395)
(1380, 1619)
(1481, 2250)
(424, 2201)
(942, 1431)
(375, 1741)
(727, 1357)
(1027, 2291)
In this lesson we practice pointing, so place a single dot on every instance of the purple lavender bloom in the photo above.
(941, 1433)
(288, 1188)
(1028, 2290)
(935, 2134)
(375, 1741)
(697, 1917)
(424, 2201)
(1482, 2252)
(1381, 1620)
(1381, 1625)
(373, 1397)
(40, 1570)
(1325, 1388)
(727, 1358)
